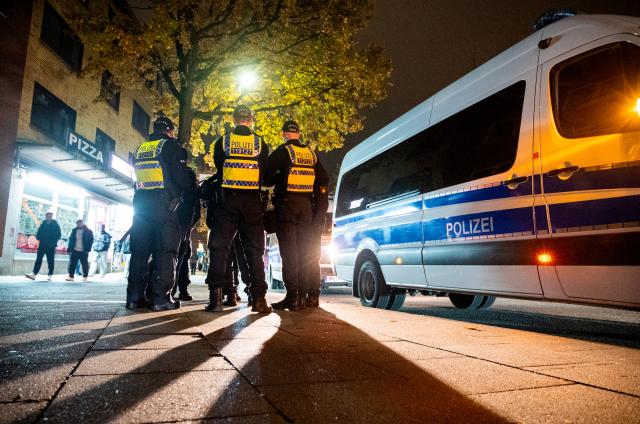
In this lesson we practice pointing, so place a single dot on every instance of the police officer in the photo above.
(239, 157)
(162, 178)
(294, 170)
(188, 216)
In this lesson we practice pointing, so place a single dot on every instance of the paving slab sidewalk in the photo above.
(336, 363)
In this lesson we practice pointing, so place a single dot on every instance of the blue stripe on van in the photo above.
(615, 210)
(390, 210)
(396, 234)
(489, 193)
(582, 180)
(501, 222)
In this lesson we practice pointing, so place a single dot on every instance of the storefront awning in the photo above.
(74, 168)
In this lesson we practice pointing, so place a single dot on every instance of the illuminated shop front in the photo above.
(84, 183)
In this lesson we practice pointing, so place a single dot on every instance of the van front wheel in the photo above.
(372, 288)
(466, 301)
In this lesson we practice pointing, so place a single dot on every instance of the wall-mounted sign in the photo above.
(122, 167)
(87, 148)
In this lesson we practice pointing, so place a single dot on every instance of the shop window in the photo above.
(37, 190)
(60, 38)
(109, 91)
(140, 119)
(51, 115)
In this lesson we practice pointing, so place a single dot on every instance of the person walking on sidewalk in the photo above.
(48, 235)
(80, 242)
(100, 249)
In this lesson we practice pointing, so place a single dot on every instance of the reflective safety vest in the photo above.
(146, 163)
(302, 173)
(241, 169)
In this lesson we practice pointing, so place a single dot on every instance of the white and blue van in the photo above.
(521, 179)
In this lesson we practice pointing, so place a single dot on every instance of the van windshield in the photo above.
(598, 92)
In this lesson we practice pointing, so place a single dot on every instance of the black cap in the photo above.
(291, 126)
(242, 113)
(163, 124)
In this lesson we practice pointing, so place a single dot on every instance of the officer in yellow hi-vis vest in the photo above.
(239, 157)
(162, 177)
(294, 170)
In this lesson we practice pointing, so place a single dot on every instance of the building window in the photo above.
(140, 120)
(51, 115)
(106, 145)
(109, 91)
(60, 38)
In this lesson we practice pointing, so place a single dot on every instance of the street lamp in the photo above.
(247, 80)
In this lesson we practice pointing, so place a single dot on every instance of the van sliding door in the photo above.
(590, 167)
(478, 222)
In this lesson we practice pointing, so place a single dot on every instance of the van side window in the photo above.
(597, 92)
(477, 142)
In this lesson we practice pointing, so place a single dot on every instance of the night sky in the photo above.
(434, 42)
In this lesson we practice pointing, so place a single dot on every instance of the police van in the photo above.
(521, 179)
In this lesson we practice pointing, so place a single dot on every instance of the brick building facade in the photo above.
(63, 148)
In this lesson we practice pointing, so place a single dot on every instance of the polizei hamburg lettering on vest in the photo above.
(470, 227)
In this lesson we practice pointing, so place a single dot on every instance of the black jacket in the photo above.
(277, 170)
(87, 239)
(173, 159)
(48, 234)
(219, 155)
(189, 210)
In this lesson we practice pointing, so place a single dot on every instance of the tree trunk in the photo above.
(185, 118)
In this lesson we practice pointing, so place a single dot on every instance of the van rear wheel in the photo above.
(466, 301)
(487, 302)
(372, 288)
(397, 300)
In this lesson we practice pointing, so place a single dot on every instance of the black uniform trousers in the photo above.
(159, 237)
(182, 268)
(314, 277)
(240, 212)
(50, 253)
(294, 233)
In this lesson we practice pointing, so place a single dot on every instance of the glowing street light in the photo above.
(247, 80)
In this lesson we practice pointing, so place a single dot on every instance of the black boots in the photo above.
(184, 295)
(249, 296)
(260, 306)
(215, 300)
(291, 302)
(167, 305)
(232, 298)
(302, 299)
(312, 301)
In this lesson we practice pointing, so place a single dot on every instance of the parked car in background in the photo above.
(327, 273)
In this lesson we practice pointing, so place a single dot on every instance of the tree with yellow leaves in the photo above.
(301, 56)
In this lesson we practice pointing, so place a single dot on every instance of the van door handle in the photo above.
(563, 173)
(515, 182)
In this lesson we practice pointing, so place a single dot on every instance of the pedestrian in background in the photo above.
(80, 242)
(100, 248)
(194, 262)
(48, 235)
(294, 170)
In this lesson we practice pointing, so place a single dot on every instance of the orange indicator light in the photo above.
(544, 258)
(637, 108)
